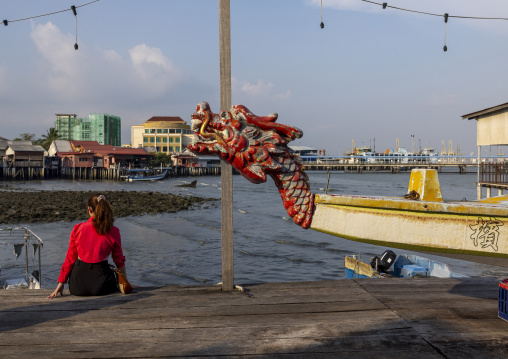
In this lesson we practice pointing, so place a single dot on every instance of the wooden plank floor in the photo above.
(363, 318)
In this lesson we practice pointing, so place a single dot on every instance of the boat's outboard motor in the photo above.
(383, 263)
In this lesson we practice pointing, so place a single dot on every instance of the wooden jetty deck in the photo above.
(361, 318)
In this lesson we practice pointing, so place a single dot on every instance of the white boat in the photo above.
(405, 266)
(24, 242)
(145, 175)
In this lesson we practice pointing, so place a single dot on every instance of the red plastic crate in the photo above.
(503, 300)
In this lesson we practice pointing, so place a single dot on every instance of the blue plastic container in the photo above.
(503, 300)
(410, 270)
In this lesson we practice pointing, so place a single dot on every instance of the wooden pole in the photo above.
(478, 185)
(226, 170)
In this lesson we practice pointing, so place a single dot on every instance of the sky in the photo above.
(371, 76)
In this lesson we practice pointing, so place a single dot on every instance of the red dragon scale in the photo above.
(256, 146)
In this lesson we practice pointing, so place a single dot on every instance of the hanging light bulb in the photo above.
(73, 8)
(384, 5)
(445, 48)
(322, 25)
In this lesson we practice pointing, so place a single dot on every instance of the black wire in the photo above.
(432, 14)
(52, 13)
(368, 1)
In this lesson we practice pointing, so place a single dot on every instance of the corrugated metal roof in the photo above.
(123, 151)
(476, 114)
(63, 146)
(85, 143)
(25, 143)
(26, 148)
(302, 148)
(166, 118)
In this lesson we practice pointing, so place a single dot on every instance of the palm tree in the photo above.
(49, 137)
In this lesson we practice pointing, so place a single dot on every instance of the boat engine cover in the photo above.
(384, 262)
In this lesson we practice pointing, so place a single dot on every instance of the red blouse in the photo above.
(91, 247)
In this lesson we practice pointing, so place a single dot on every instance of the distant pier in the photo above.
(391, 164)
(393, 168)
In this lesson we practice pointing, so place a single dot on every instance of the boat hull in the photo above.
(406, 266)
(143, 177)
(399, 223)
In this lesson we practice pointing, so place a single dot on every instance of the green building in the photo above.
(100, 127)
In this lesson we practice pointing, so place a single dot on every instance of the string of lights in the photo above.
(445, 16)
(385, 5)
(73, 9)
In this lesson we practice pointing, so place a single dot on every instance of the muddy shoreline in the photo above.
(54, 206)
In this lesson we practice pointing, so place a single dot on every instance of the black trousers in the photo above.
(92, 279)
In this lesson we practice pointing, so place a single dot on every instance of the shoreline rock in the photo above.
(54, 206)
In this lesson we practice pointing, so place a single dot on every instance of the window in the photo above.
(171, 140)
(177, 148)
(172, 130)
(159, 130)
(164, 149)
(178, 130)
(165, 140)
(165, 130)
(177, 140)
(152, 130)
(152, 139)
(147, 130)
(159, 139)
(84, 159)
(170, 148)
(145, 139)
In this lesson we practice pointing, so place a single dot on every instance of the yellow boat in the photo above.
(423, 223)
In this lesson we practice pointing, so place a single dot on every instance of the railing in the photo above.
(391, 160)
(23, 239)
(28, 164)
(494, 173)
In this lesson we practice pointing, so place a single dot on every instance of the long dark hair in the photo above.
(102, 213)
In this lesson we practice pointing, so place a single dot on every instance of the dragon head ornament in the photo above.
(256, 146)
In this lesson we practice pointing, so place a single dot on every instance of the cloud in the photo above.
(71, 74)
(153, 68)
(113, 56)
(283, 96)
(61, 58)
(261, 89)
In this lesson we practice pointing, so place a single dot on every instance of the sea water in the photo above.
(185, 247)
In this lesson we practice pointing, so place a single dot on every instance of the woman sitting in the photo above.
(86, 266)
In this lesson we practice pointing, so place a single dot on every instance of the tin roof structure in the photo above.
(491, 125)
(166, 119)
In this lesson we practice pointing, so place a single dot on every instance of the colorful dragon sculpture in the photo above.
(256, 146)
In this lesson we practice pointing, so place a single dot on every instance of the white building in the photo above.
(162, 134)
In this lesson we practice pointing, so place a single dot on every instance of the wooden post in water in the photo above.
(226, 170)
